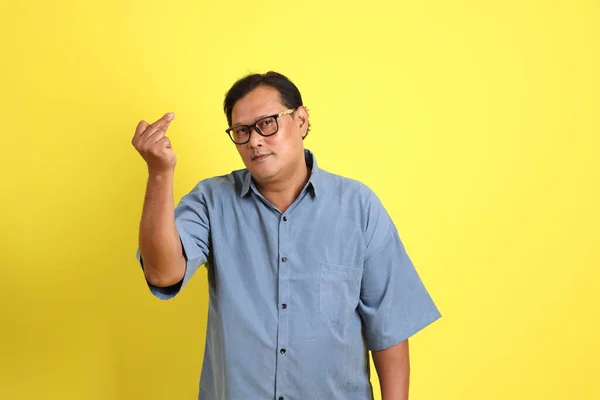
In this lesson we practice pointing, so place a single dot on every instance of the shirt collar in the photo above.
(314, 182)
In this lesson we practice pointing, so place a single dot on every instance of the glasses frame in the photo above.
(255, 127)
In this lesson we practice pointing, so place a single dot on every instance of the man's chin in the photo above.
(262, 174)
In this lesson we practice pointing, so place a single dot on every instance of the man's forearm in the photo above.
(164, 263)
(393, 370)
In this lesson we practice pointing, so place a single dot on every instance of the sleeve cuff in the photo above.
(194, 258)
(386, 341)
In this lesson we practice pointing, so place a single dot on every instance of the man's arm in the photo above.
(394, 303)
(160, 247)
(393, 370)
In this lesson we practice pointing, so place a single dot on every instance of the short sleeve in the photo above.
(193, 227)
(394, 302)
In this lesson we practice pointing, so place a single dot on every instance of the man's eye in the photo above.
(266, 123)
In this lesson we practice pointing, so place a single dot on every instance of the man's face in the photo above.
(277, 156)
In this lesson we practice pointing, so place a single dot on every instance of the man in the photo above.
(306, 270)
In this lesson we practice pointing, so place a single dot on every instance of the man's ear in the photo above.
(302, 120)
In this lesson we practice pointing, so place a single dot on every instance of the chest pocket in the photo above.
(339, 291)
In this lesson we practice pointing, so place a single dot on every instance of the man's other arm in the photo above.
(393, 371)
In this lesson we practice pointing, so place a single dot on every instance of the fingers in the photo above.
(141, 127)
(146, 134)
(156, 136)
(161, 124)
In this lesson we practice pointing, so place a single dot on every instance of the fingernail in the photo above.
(170, 116)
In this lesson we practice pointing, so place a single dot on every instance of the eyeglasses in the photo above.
(266, 126)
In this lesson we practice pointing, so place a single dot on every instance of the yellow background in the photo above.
(477, 124)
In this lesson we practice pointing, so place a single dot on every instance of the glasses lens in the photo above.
(240, 134)
(268, 126)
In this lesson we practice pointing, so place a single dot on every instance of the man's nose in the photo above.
(255, 138)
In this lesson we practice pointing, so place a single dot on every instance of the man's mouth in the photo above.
(259, 157)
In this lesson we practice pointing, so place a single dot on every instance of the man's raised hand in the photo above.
(154, 146)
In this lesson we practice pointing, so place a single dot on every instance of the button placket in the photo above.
(283, 297)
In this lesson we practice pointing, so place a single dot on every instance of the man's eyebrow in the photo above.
(257, 119)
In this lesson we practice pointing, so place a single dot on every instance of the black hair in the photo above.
(288, 92)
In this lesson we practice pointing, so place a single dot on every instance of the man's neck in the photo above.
(283, 193)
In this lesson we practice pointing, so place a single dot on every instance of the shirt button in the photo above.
(285, 218)
(282, 351)
(284, 306)
(283, 259)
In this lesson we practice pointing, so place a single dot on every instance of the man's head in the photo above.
(278, 153)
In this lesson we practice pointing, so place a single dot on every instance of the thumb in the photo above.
(168, 117)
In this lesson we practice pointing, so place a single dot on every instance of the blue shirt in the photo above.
(296, 299)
